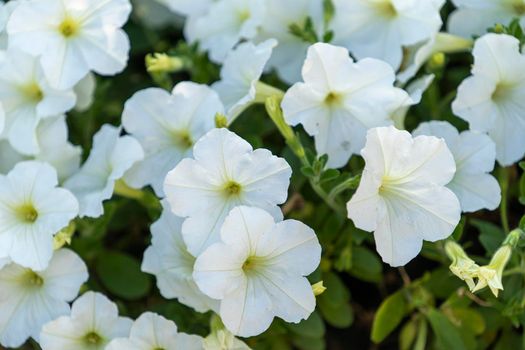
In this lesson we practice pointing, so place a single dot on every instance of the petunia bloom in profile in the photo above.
(169, 260)
(224, 173)
(29, 299)
(475, 156)
(94, 321)
(240, 75)
(151, 331)
(491, 100)
(72, 37)
(403, 196)
(32, 210)
(167, 126)
(111, 156)
(341, 99)
(381, 28)
(258, 270)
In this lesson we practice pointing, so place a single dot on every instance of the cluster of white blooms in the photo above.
(221, 243)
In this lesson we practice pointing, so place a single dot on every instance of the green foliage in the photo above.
(389, 315)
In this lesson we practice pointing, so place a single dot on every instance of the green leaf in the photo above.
(313, 327)
(469, 319)
(447, 335)
(407, 336)
(333, 303)
(460, 228)
(341, 316)
(329, 175)
(121, 275)
(366, 265)
(306, 343)
(388, 316)
(490, 236)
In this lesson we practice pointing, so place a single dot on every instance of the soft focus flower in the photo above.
(167, 126)
(341, 99)
(188, 7)
(156, 14)
(491, 100)
(151, 331)
(171, 263)
(27, 98)
(462, 266)
(224, 24)
(415, 91)
(492, 274)
(6, 8)
(225, 172)
(93, 323)
(288, 56)
(32, 210)
(474, 17)
(240, 75)
(72, 37)
(111, 156)
(257, 270)
(29, 299)
(380, 28)
(475, 155)
(402, 195)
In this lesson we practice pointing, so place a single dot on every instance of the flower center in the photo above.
(232, 188)
(33, 92)
(243, 15)
(333, 99)
(249, 265)
(92, 338)
(386, 8)
(69, 27)
(33, 279)
(27, 213)
(502, 92)
(519, 8)
(182, 139)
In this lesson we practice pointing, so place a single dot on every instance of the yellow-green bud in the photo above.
(162, 63)
(64, 236)
(318, 288)
(221, 121)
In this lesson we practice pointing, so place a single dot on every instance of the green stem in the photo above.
(348, 184)
(504, 184)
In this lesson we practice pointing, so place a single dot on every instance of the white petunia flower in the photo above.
(32, 211)
(27, 98)
(188, 7)
(225, 172)
(85, 92)
(491, 100)
(288, 56)
(72, 37)
(475, 155)
(225, 24)
(29, 299)
(171, 263)
(111, 156)
(54, 147)
(156, 14)
(93, 323)
(240, 74)
(402, 195)
(474, 17)
(341, 99)
(167, 125)
(381, 28)
(151, 332)
(257, 270)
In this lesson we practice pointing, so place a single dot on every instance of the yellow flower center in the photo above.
(501, 92)
(27, 213)
(333, 99)
(182, 139)
(232, 188)
(93, 338)
(32, 279)
(249, 264)
(243, 15)
(33, 92)
(69, 27)
(386, 8)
